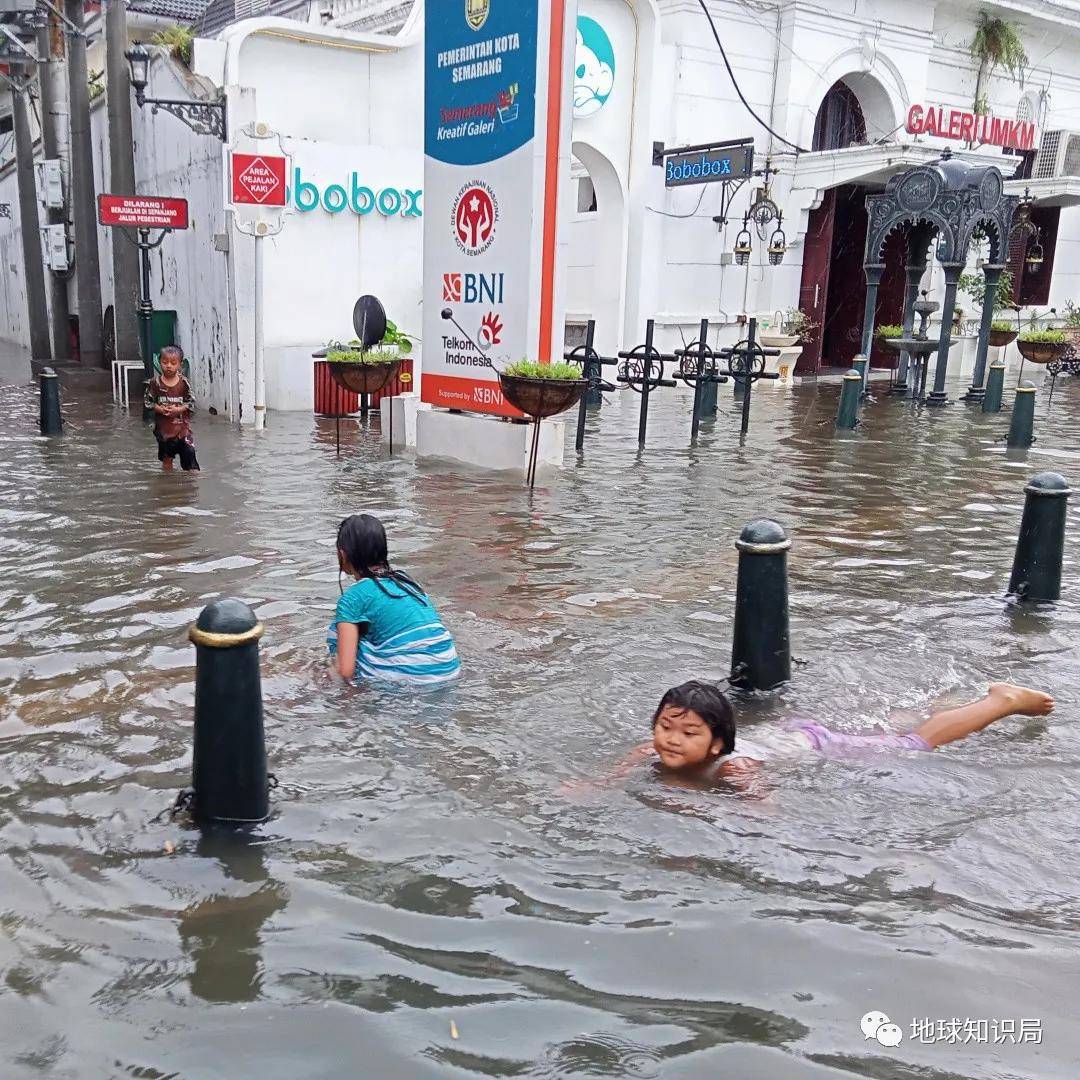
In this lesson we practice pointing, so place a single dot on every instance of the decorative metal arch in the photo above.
(952, 201)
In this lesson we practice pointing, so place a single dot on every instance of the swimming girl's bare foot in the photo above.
(1022, 701)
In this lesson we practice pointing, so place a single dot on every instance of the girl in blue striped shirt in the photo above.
(385, 629)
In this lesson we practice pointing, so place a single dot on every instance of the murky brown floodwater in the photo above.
(423, 868)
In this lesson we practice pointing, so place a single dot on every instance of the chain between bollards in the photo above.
(1040, 548)
(50, 420)
(847, 415)
(229, 775)
(1022, 425)
(995, 385)
(761, 645)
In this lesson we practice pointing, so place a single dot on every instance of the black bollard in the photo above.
(1022, 425)
(1036, 572)
(229, 768)
(847, 415)
(50, 420)
(995, 384)
(761, 649)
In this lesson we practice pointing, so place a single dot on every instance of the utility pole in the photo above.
(84, 210)
(29, 222)
(50, 47)
(125, 257)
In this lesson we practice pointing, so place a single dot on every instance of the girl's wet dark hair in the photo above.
(709, 703)
(362, 540)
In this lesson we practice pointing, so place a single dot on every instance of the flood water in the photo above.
(427, 900)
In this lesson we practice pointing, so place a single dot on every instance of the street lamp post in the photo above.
(203, 117)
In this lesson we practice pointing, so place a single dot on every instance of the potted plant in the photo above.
(362, 372)
(541, 390)
(1072, 323)
(1002, 334)
(889, 332)
(1042, 346)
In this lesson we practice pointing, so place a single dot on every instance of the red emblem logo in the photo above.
(475, 214)
(491, 328)
(451, 288)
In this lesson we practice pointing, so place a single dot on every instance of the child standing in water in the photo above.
(694, 731)
(385, 629)
(169, 396)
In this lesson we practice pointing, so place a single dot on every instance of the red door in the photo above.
(814, 291)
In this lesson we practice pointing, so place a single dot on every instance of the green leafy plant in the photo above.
(95, 87)
(1043, 337)
(890, 331)
(530, 369)
(1002, 327)
(396, 337)
(178, 40)
(798, 324)
(341, 354)
(996, 44)
(1072, 315)
(974, 285)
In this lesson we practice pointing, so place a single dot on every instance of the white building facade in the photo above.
(835, 82)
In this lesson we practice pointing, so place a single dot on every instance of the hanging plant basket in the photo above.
(1041, 352)
(541, 398)
(998, 339)
(366, 376)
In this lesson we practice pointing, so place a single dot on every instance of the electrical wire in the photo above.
(681, 217)
(738, 90)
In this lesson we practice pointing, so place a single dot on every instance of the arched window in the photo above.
(840, 120)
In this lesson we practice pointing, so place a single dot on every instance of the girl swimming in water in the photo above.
(694, 731)
(385, 629)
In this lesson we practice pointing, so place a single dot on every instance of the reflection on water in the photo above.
(427, 901)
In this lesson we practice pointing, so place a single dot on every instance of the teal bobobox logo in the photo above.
(594, 75)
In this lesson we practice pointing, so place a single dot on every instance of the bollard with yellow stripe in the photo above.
(229, 774)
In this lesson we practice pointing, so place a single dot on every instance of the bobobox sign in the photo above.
(259, 179)
(481, 201)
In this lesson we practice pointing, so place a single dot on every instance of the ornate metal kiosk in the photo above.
(950, 202)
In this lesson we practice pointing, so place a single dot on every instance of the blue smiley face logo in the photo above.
(594, 75)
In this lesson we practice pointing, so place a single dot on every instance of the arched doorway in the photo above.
(596, 264)
(833, 289)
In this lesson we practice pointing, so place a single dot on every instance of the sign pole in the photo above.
(146, 305)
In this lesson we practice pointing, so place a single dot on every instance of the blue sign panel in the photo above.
(709, 166)
(480, 72)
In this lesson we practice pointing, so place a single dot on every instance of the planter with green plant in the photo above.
(1002, 334)
(1071, 328)
(889, 332)
(542, 390)
(178, 40)
(362, 372)
(996, 44)
(1042, 346)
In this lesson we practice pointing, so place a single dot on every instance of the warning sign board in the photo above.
(142, 211)
(258, 179)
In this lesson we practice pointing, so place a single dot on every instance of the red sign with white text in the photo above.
(258, 179)
(970, 127)
(142, 212)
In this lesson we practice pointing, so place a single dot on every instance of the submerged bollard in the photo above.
(1022, 425)
(229, 768)
(50, 420)
(995, 384)
(862, 365)
(847, 416)
(761, 649)
(1036, 572)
